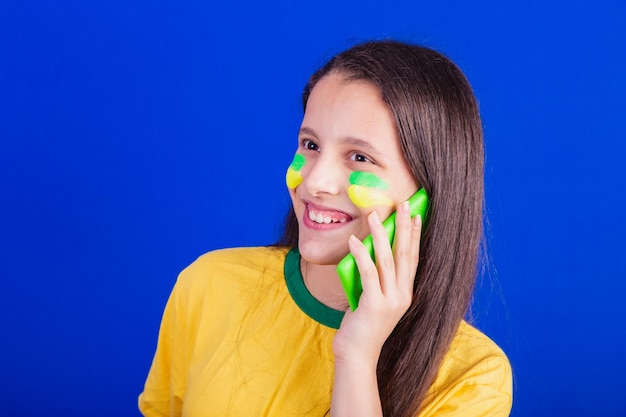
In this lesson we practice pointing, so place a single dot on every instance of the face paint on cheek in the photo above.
(366, 190)
(294, 176)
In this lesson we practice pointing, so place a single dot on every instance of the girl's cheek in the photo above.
(365, 197)
(368, 190)
(294, 172)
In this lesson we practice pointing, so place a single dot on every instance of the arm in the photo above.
(387, 294)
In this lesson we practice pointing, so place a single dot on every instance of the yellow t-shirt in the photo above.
(242, 336)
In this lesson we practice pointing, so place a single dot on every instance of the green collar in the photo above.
(304, 299)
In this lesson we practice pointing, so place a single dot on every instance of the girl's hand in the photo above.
(387, 289)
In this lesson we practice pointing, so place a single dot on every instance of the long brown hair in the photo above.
(440, 132)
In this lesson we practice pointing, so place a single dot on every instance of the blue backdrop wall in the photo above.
(128, 128)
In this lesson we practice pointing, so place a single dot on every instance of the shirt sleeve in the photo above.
(483, 390)
(166, 382)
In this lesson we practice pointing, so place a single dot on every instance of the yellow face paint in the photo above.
(294, 176)
(366, 190)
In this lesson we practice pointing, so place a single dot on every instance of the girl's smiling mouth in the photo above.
(315, 215)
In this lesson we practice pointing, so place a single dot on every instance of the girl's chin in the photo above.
(321, 256)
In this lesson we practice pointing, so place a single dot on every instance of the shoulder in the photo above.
(221, 279)
(474, 378)
(232, 267)
(472, 351)
(246, 258)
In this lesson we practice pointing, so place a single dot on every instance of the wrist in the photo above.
(355, 360)
(351, 356)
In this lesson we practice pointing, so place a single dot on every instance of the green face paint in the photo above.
(294, 176)
(364, 190)
(367, 179)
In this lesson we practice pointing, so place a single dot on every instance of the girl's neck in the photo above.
(323, 283)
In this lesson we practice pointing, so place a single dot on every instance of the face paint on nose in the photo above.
(294, 176)
(366, 190)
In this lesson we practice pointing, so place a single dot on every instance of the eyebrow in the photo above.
(349, 140)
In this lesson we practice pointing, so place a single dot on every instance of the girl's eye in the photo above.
(309, 145)
(359, 157)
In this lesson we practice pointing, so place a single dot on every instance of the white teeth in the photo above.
(320, 218)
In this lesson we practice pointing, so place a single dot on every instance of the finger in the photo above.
(366, 266)
(402, 242)
(383, 254)
(416, 236)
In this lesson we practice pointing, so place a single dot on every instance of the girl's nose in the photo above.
(323, 176)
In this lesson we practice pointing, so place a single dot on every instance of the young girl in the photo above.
(267, 331)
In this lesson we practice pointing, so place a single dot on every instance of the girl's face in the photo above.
(348, 164)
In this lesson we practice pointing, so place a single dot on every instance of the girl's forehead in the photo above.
(344, 108)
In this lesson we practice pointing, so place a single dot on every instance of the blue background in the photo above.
(129, 132)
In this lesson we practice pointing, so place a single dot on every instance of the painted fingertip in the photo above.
(374, 217)
(404, 207)
(354, 240)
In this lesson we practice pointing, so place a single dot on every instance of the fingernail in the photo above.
(405, 207)
(417, 221)
(374, 217)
